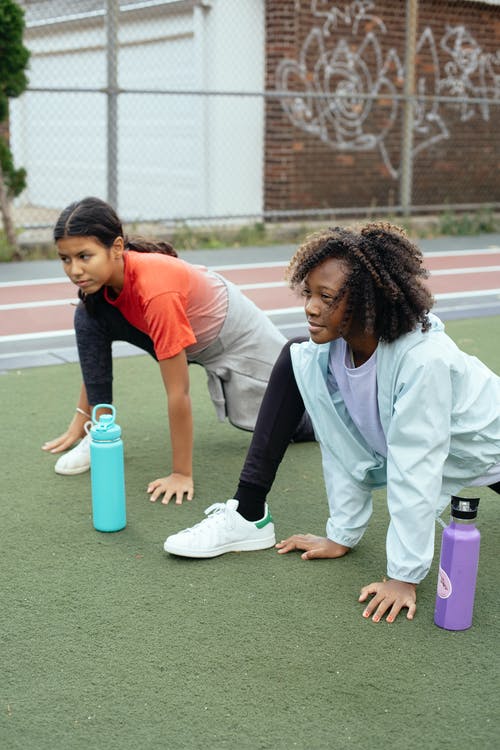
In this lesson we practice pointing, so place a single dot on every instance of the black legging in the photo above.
(282, 419)
(94, 336)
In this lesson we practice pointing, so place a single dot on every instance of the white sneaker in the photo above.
(75, 461)
(224, 530)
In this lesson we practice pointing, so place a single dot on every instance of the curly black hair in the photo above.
(385, 286)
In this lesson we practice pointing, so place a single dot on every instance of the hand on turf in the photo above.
(75, 432)
(175, 485)
(314, 546)
(389, 595)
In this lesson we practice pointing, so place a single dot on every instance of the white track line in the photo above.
(39, 335)
(475, 293)
(34, 282)
(459, 271)
(41, 303)
(478, 251)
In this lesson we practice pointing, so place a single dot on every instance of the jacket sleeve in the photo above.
(418, 442)
(349, 501)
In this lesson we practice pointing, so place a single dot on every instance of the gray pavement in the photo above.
(22, 353)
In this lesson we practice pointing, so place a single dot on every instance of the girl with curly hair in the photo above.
(393, 402)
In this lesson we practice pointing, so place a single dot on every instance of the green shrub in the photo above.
(6, 250)
(469, 223)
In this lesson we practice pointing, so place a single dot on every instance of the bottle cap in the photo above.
(464, 507)
(105, 429)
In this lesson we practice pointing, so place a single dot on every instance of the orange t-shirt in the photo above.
(179, 306)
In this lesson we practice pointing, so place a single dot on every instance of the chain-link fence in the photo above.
(235, 110)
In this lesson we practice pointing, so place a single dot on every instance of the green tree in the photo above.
(13, 81)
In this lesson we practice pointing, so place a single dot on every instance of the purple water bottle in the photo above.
(458, 566)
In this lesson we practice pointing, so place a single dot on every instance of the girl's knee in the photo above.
(86, 325)
(82, 319)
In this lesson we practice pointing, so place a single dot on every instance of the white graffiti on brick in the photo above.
(346, 91)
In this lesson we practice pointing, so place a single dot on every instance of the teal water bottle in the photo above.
(107, 472)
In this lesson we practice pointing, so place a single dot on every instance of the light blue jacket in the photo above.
(440, 412)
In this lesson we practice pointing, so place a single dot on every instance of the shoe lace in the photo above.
(215, 509)
(215, 514)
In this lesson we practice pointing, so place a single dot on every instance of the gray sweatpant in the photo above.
(238, 363)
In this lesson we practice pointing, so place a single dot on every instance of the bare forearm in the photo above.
(180, 419)
(75, 429)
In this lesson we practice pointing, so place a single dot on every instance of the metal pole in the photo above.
(408, 107)
(112, 13)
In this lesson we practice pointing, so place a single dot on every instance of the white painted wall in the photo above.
(160, 137)
(235, 125)
(58, 138)
(179, 156)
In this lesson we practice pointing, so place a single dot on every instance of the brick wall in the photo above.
(335, 153)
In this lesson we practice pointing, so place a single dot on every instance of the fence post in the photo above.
(406, 179)
(112, 13)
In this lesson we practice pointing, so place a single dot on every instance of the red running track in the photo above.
(41, 307)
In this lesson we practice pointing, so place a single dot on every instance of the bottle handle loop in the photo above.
(103, 406)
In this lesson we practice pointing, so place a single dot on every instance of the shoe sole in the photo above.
(71, 472)
(249, 546)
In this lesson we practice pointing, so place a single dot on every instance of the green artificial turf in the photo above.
(107, 642)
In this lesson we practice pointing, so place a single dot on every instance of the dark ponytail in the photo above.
(139, 245)
(93, 217)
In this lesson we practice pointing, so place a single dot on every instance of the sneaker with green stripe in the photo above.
(223, 530)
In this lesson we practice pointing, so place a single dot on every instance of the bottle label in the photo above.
(444, 585)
